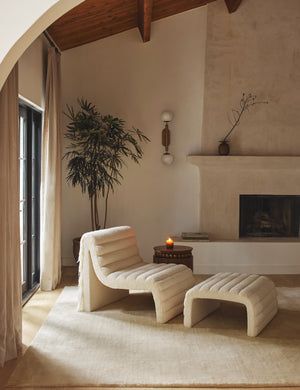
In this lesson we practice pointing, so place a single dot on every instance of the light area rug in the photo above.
(122, 345)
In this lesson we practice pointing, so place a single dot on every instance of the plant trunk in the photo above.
(92, 213)
(96, 213)
(106, 206)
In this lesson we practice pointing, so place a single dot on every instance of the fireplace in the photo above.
(269, 215)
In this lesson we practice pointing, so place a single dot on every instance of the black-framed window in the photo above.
(30, 121)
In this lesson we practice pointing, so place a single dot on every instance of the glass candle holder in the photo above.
(169, 243)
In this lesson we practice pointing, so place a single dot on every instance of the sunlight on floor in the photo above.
(34, 314)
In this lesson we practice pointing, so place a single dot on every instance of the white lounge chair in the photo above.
(110, 265)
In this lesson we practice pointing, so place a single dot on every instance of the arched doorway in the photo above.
(22, 23)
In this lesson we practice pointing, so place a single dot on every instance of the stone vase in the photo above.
(224, 148)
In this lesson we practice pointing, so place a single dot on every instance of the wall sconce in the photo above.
(167, 157)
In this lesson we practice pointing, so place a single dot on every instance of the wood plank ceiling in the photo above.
(97, 19)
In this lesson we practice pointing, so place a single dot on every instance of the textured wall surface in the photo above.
(256, 49)
(220, 191)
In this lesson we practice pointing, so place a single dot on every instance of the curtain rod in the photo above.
(51, 41)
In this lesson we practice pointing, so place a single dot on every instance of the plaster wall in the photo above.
(137, 81)
(254, 257)
(254, 50)
(220, 191)
(32, 72)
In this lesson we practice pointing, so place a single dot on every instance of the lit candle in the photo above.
(169, 243)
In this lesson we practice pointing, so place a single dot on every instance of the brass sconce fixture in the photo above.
(167, 157)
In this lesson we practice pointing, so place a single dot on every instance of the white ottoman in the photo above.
(256, 292)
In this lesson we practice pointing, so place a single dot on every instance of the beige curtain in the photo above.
(10, 263)
(51, 178)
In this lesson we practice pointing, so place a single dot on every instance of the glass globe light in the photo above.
(167, 158)
(167, 116)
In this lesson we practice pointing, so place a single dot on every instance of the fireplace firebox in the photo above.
(269, 215)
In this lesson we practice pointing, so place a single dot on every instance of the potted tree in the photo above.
(98, 146)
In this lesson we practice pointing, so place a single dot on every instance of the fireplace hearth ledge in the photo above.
(245, 162)
(222, 180)
(245, 256)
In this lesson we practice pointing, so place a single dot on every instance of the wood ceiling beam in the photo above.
(145, 8)
(233, 5)
(97, 19)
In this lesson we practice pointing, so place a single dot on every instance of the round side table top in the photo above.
(176, 249)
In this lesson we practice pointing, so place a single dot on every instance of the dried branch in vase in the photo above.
(246, 102)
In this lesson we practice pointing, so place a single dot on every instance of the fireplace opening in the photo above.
(269, 215)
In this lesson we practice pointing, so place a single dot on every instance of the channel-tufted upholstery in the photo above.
(110, 265)
(256, 292)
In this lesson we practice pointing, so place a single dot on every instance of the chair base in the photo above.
(96, 294)
(168, 293)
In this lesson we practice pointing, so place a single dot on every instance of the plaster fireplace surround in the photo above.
(223, 181)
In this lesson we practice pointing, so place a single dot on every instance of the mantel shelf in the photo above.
(245, 162)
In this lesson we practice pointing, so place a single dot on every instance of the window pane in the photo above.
(30, 140)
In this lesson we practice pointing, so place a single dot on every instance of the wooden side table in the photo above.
(178, 255)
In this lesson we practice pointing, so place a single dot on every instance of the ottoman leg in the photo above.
(195, 309)
(259, 315)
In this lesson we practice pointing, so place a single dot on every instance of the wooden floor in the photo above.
(37, 308)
